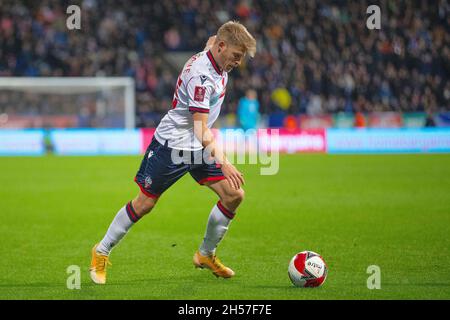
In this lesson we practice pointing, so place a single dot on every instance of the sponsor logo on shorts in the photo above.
(148, 182)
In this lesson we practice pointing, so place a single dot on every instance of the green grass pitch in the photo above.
(392, 211)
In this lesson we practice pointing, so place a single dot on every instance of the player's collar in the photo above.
(213, 62)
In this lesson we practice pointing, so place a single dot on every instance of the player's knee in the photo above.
(235, 197)
(240, 195)
(143, 206)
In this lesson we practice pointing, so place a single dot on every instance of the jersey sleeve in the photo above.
(199, 91)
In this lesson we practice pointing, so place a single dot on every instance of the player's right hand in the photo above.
(234, 177)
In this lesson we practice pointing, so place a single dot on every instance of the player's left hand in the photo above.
(234, 177)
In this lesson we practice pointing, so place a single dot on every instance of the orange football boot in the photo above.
(99, 263)
(213, 263)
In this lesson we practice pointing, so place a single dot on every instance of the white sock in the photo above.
(119, 227)
(217, 226)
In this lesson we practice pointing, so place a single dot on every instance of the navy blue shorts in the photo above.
(158, 172)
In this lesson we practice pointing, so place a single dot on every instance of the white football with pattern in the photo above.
(307, 269)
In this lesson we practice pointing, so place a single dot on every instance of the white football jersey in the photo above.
(200, 88)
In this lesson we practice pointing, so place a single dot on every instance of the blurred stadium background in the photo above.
(317, 63)
(329, 84)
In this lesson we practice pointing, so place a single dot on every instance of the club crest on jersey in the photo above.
(199, 93)
(150, 154)
(148, 182)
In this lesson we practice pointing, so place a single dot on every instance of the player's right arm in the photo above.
(205, 136)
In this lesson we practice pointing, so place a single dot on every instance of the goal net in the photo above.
(67, 102)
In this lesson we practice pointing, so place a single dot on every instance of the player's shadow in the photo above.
(31, 285)
(168, 280)
(283, 287)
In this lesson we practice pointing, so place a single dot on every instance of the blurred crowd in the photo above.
(319, 53)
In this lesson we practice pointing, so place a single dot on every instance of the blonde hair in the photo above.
(236, 34)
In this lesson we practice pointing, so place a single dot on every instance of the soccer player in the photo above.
(185, 132)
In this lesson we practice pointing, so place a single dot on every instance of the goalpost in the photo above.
(69, 102)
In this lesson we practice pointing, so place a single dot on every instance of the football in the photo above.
(307, 269)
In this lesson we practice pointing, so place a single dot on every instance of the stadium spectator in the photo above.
(248, 110)
(320, 51)
(429, 121)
